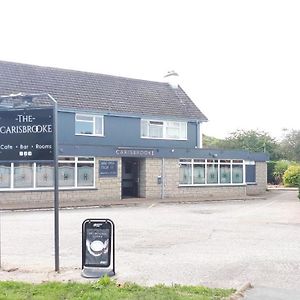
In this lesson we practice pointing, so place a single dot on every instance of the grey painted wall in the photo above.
(120, 132)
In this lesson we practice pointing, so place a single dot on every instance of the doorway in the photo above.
(130, 177)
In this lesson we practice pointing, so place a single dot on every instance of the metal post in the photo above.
(0, 241)
(56, 193)
(55, 161)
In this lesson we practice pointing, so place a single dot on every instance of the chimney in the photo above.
(172, 78)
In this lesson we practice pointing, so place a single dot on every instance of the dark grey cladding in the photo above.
(97, 92)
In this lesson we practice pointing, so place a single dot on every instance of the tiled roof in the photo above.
(97, 92)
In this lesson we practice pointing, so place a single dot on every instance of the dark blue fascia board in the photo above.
(112, 151)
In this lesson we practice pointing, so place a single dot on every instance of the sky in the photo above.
(239, 61)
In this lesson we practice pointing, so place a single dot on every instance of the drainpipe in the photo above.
(162, 188)
(198, 136)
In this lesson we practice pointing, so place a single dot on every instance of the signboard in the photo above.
(108, 168)
(26, 135)
(130, 152)
(97, 248)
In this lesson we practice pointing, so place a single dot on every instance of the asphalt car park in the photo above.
(215, 243)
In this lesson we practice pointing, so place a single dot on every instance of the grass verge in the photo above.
(106, 289)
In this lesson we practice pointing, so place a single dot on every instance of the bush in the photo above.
(270, 172)
(291, 176)
(280, 167)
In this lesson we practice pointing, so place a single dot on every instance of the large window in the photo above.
(73, 172)
(5, 175)
(89, 125)
(163, 130)
(211, 172)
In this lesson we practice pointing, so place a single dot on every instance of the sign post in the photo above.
(30, 134)
(98, 248)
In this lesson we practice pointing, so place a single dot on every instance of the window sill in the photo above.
(48, 189)
(82, 134)
(167, 139)
(212, 185)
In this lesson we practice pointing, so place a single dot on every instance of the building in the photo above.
(121, 137)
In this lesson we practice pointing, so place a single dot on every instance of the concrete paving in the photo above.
(216, 243)
(267, 293)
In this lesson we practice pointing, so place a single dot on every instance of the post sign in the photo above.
(26, 135)
(108, 168)
(98, 248)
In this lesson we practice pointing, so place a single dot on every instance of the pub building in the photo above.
(121, 138)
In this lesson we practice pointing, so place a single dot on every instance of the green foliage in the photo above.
(254, 141)
(106, 289)
(211, 142)
(250, 140)
(280, 167)
(270, 172)
(291, 176)
(290, 145)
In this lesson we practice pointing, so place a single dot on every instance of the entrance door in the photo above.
(130, 177)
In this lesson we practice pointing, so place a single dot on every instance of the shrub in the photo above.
(270, 174)
(291, 176)
(280, 167)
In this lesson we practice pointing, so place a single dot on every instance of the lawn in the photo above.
(105, 288)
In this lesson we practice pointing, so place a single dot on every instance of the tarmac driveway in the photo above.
(217, 243)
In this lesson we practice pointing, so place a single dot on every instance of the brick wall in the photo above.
(109, 188)
(173, 190)
(261, 180)
(106, 188)
(153, 170)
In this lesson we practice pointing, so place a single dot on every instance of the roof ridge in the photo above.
(81, 71)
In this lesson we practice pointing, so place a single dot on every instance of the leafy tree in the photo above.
(211, 142)
(290, 145)
(254, 141)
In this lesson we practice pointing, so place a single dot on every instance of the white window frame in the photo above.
(219, 162)
(74, 159)
(93, 121)
(165, 126)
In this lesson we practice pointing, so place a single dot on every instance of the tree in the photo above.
(290, 145)
(211, 142)
(254, 141)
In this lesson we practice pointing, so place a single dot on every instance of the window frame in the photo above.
(165, 124)
(93, 121)
(217, 163)
(62, 160)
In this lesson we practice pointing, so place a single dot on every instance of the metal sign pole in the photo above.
(30, 97)
(0, 241)
(56, 193)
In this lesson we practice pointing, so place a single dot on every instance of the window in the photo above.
(185, 173)
(5, 177)
(23, 175)
(73, 172)
(250, 172)
(211, 172)
(89, 125)
(164, 130)
(44, 175)
(225, 171)
(199, 173)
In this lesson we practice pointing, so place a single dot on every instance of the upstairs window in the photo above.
(163, 130)
(89, 125)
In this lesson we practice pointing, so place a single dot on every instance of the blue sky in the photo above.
(239, 61)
